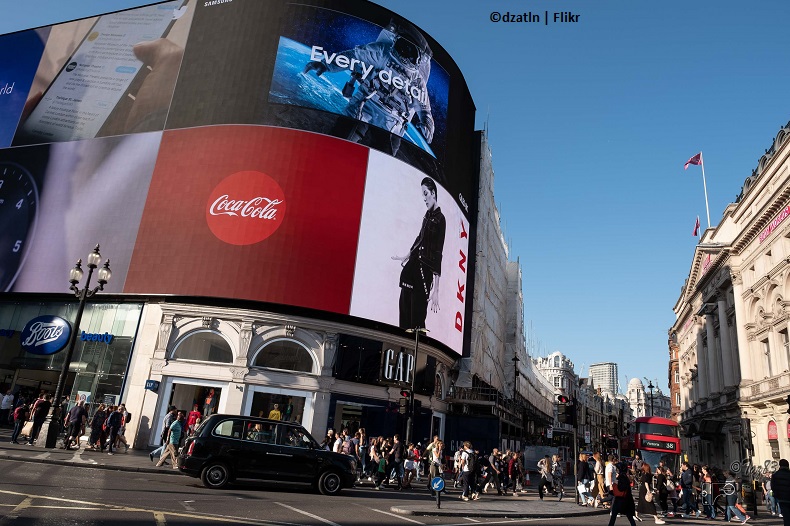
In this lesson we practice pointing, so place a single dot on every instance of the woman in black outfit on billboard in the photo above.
(422, 266)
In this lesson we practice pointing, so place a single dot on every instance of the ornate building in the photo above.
(732, 324)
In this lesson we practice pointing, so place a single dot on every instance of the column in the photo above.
(711, 356)
(728, 358)
(703, 388)
(740, 321)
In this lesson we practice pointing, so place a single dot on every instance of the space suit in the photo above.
(392, 73)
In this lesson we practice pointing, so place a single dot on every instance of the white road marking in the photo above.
(401, 517)
(470, 519)
(316, 517)
(202, 516)
(512, 521)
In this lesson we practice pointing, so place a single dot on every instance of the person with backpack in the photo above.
(557, 475)
(395, 461)
(21, 414)
(467, 468)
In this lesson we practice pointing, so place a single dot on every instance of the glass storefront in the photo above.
(100, 360)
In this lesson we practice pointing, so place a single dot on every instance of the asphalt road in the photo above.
(41, 494)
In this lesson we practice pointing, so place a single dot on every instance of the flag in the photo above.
(696, 228)
(697, 159)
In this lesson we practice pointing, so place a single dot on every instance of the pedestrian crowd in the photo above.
(695, 492)
(107, 424)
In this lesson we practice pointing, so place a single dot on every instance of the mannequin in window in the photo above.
(209, 403)
(289, 409)
(275, 414)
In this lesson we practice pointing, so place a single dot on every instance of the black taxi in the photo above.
(229, 447)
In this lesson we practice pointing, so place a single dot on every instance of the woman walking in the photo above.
(623, 502)
(646, 505)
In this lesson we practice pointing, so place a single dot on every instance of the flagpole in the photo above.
(705, 187)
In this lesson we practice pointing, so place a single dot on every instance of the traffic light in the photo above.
(613, 425)
(563, 413)
(562, 399)
(404, 402)
(570, 412)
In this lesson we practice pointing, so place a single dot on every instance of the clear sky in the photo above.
(590, 124)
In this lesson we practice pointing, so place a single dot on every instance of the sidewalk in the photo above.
(135, 460)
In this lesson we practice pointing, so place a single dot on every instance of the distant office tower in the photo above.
(604, 376)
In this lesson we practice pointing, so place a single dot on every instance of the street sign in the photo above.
(586, 437)
(437, 484)
(549, 432)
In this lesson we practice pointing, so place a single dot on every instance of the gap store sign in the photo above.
(45, 335)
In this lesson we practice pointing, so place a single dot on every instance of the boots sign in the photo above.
(398, 367)
(45, 335)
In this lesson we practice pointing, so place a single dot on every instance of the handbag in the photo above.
(27, 429)
(648, 494)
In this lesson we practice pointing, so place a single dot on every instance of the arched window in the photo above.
(438, 388)
(285, 354)
(204, 346)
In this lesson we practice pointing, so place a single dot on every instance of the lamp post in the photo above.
(515, 378)
(410, 421)
(651, 387)
(49, 429)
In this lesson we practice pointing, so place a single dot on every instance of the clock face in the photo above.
(18, 213)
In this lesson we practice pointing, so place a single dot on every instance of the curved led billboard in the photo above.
(288, 153)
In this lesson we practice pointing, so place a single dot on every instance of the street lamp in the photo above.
(410, 421)
(515, 379)
(651, 387)
(49, 429)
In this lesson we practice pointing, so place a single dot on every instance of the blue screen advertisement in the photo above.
(20, 54)
(382, 77)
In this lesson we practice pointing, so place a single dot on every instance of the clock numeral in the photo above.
(17, 245)
(1, 183)
(20, 203)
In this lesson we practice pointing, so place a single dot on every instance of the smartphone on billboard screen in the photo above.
(100, 78)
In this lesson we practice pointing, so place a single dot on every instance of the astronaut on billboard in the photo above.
(388, 84)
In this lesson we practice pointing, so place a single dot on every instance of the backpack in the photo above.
(471, 461)
(347, 447)
(128, 418)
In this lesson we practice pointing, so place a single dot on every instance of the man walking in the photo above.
(466, 468)
(780, 485)
(113, 423)
(40, 412)
(75, 421)
(5, 408)
(169, 418)
(173, 438)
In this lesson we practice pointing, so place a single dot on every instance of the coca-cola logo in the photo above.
(245, 208)
(45, 335)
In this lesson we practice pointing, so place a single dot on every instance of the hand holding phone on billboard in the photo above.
(95, 91)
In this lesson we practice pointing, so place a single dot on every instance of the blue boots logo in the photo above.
(45, 335)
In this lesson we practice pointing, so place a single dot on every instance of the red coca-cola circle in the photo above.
(245, 208)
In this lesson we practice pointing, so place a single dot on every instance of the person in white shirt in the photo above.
(610, 472)
(5, 408)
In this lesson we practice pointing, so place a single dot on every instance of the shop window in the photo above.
(358, 359)
(204, 346)
(284, 354)
(275, 406)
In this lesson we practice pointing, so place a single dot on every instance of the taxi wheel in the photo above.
(215, 476)
(329, 483)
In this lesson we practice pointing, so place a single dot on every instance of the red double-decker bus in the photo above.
(658, 439)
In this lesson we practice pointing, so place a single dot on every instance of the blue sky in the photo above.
(590, 124)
